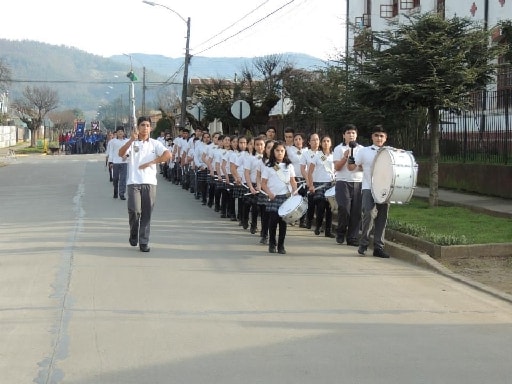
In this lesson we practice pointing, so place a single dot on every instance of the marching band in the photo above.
(266, 184)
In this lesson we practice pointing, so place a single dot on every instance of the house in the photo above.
(376, 14)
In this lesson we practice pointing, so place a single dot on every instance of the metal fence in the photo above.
(482, 134)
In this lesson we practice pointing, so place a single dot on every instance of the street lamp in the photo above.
(187, 61)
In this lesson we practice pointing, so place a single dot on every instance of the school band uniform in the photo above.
(296, 156)
(251, 167)
(348, 197)
(239, 188)
(278, 180)
(119, 167)
(201, 172)
(306, 159)
(262, 202)
(321, 173)
(212, 174)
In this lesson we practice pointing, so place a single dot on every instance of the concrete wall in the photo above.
(492, 180)
(7, 136)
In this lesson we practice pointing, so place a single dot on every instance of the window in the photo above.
(409, 4)
(389, 11)
(364, 21)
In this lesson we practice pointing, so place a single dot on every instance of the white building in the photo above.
(376, 14)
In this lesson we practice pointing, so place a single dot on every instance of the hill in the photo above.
(85, 80)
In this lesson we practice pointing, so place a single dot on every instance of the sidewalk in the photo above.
(495, 206)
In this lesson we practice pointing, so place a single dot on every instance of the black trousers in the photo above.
(274, 221)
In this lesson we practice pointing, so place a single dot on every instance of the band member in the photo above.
(119, 164)
(251, 167)
(202, 167)
(230, 180)
(208, 158)
(237, 172)
(221, 158)
(296, 152)
(348, 188)
(278, 182)
(262, 198)
(364, 159)
(314, 145)
(320, 178)
(289, 133)
(143, 154)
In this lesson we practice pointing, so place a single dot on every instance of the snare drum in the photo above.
(330, 195)
(394, 174)
(293, 209)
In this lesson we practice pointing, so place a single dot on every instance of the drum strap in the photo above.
(284, 178)
(328, 165)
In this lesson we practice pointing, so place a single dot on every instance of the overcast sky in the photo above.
(112, 27)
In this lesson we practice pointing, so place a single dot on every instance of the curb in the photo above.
(423, 260)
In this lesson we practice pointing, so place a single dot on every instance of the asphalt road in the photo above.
(208, 304)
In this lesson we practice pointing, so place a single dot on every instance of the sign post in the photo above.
(240, 109)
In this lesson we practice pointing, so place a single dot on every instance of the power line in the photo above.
(246, 28)
(236, 22)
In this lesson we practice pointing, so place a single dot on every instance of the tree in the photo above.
(5, 79)
(428, 62)
(34, 106)
(5, 76)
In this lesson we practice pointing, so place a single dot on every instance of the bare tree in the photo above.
(34, 106)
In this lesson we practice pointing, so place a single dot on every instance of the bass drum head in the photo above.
(394, 175)
(382, 176)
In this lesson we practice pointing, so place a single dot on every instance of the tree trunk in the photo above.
(32, 137)
(433, 117)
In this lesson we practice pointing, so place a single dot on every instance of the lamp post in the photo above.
(187, 61)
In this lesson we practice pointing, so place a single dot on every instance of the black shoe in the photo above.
(317, 231)
(133, 242)
(144, 248)
(353, 243)
(209, 204)
(223, 216)
(233, 218)
(379, 252)
(263, 240)
(271, 249)
(329, 234)
(115, 196)
(217, 209)
(203, 203)
(340, 239)
(281, 250)
(361, 250)
(253, 229)
(308, 225)
(122, 197)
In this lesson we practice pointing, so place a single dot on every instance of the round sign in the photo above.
(240, 109)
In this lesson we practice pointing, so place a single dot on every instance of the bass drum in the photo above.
(394, 174)
(330, 195)
(293, 209)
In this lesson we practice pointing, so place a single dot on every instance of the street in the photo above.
(209, 304)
